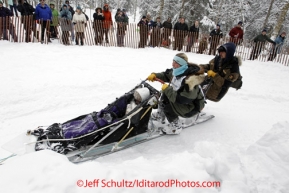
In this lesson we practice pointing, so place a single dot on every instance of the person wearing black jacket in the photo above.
(193, 35)
(98, 19)
(156, 32)
(180, 32)
(167, 30)
(215, 36)
(143, 31)
(26, 11)
(25, 8)
(259, 44)
(222, 71)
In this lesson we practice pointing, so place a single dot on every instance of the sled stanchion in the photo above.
(116, 145)
(202, 93)
(145, 112)
(83, 154)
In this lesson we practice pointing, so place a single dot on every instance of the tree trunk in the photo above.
(182, 9)
(268, 14)
(160, 13)
(280, 20)
(134, 9)
(218, 19)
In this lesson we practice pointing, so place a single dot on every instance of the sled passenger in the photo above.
(222, 71)
(182, 96)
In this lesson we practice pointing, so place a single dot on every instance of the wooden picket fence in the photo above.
(25, 29)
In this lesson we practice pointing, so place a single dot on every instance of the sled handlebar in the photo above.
(157, 79)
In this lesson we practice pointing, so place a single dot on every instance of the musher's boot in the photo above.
(174, 128)
(158, 116)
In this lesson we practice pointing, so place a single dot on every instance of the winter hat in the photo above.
(64, 5)
(123, 10)
(144, 17)
(78, 7)
(222, 49)
(264, 30)
(219, 25)
(182, 60)
(118, 9)
(240, 23)
(283, 33)
(1, 2)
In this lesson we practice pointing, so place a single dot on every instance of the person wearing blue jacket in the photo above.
(277, 48)
(43, 14)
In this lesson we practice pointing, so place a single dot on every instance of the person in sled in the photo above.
(221, 71)
(182, 96)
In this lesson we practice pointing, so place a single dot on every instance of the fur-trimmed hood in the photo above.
(194, 80)
(240, 62)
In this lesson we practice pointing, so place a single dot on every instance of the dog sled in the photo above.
(122, 124)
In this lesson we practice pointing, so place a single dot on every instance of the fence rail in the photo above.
(25, 29)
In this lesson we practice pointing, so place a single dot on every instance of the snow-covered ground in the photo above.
(245, 147)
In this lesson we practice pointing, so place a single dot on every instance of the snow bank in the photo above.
(268, 158)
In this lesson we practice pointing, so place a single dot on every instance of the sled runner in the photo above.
(122, 124)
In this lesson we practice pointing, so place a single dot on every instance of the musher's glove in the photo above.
(165, 86)
(151, 77)
(211, 73)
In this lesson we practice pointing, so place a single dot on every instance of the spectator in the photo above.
(26, 11)
(116, 13)
(203, 45)
(43, 15)
(156, 32)
(180, 32)
(277, 48)
(79, 22)
(13, 7)
(236, 34)
(6, 23)
(259, 44)
(65, 23)
(193, 35)
(215, 36)
(107, 21)
(54, 23)
(25, 8)
(126, 19)
(120, 29)
(98, 19)
(69, 8)
(72, 14)
(150, 21)
(167, 31)
(143, 32)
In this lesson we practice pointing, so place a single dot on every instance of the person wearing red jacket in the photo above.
(236, 34)
(107, 21)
